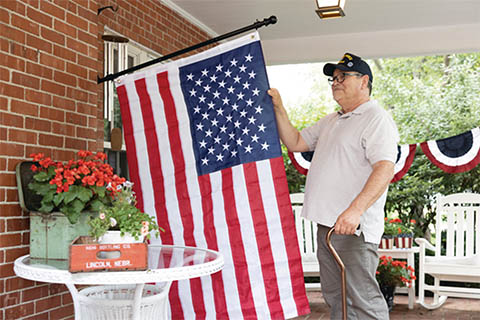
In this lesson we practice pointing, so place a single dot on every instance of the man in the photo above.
(355, 151)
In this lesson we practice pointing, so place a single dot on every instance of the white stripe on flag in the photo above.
(250, 244)
(228, 273)
(166, 161)
(192, 184)
(277, 240)
(141, 148)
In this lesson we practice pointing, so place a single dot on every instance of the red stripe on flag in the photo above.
(263, 240)
(159, 195)
(183, 197)
(130, 142)
(289, 235)
(236, 245)
(181, 188)
(211, 239)
(154, 160)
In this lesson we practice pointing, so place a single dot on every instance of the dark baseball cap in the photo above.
(349, 62)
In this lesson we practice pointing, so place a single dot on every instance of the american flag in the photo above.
(205, 159)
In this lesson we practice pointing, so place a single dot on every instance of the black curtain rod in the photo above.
(256, 25)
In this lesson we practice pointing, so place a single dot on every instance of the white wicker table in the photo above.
(165, 263)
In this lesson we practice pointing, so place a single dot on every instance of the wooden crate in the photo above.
(87, 255)
(51, 234)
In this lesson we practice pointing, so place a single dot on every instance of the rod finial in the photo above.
(271, 20)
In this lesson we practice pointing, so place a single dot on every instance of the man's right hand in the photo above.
(276, 100)
(290, 136)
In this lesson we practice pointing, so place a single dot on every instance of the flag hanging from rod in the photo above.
(205, 158)
(455, 154)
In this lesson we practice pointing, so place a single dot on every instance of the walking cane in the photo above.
(342, 271)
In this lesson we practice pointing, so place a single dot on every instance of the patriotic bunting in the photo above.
(406, 153)
(455, 154)
(301, 160)
(405, 156)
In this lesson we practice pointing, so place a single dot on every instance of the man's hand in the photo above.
(347, 222)
(276, 100)
(289, 135)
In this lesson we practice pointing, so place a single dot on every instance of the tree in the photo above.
(430, 98)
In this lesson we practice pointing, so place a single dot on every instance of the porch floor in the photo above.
(452, 309)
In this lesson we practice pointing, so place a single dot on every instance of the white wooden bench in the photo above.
(307, 241)
(457, 257)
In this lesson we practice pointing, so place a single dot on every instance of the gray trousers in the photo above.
(364, 298)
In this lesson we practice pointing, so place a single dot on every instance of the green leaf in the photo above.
(96, 205)
(51, 172)
(78, 205)
(73, 210)
(100, 191)
(46, 207)
(48, 197)
(71, 194)
(73, 217)
(58, 198)
(84, 194)
(42, 176)
(41, 188)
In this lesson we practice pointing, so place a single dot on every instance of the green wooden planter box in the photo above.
(50, 233)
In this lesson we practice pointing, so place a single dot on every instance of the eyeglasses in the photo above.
(341, 77)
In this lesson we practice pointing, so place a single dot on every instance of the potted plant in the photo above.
(76, 186)
(404, 232)
(122, 222)
(389, 232)
(391, 274)
(69, 193)
(397, 233)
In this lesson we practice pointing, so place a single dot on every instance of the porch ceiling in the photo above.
(371, 28)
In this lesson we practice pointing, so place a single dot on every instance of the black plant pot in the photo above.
(388, 294)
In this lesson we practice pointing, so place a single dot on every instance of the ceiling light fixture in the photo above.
(327, 9)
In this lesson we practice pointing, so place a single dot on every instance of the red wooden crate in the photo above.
(87, 255)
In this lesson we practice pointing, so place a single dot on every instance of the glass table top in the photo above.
(165, 263)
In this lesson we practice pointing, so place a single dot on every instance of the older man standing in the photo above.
(355, 151)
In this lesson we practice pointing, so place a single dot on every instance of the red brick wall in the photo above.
(50, 55)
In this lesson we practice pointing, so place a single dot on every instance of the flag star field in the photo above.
(231, 115)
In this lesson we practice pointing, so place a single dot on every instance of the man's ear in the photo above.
(365, 79)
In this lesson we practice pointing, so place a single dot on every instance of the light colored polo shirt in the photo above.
(346, 146)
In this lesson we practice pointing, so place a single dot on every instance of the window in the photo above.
(118, 57)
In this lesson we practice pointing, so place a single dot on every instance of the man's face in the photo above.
(347, 90)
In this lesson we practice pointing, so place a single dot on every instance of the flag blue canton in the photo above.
(231, 115)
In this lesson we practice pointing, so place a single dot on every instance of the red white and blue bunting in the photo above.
(455, 154)
(301, 160)
(405, 156)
